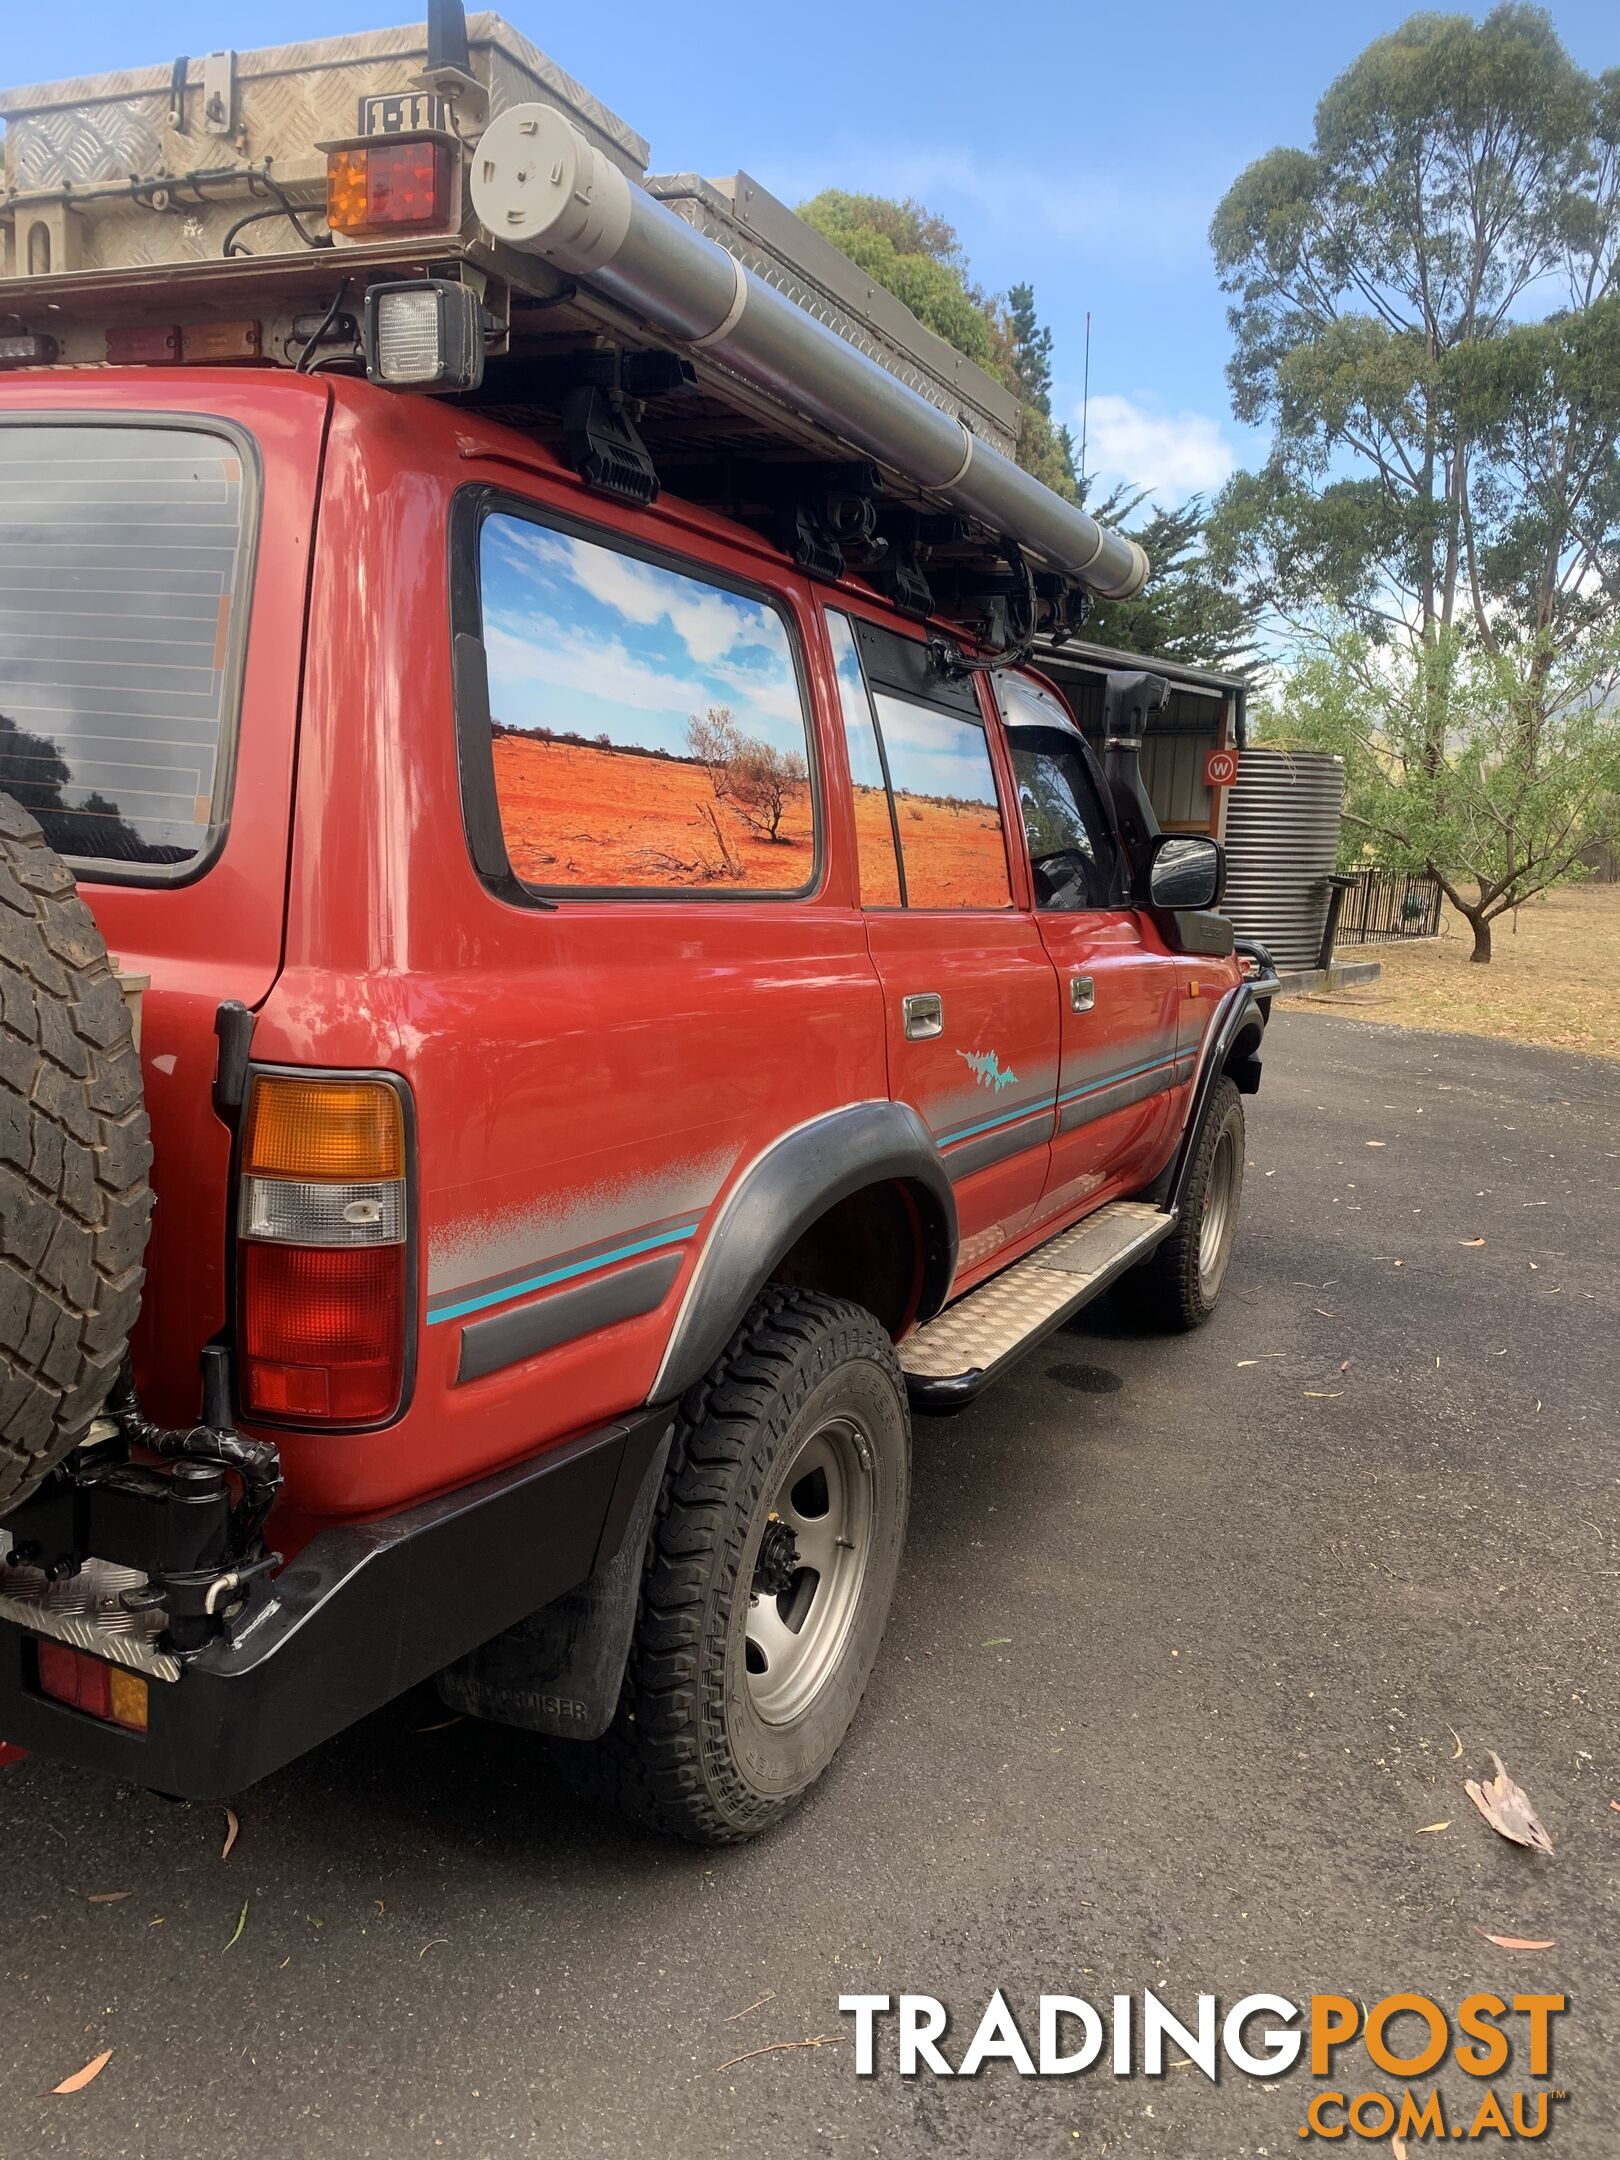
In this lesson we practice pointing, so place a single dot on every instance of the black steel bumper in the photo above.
(365, 1611)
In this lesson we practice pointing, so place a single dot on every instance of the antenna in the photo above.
(447, 37)
(1085, 407)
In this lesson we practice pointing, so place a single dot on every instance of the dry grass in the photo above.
(1556, 980)
(577, 815)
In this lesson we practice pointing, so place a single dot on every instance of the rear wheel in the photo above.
(768, 1578)
(1177, 1287)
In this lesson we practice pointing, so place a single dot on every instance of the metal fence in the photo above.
(1384, 905)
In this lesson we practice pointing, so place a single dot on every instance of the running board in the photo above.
(950, 1359)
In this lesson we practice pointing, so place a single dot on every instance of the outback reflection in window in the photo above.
(648, 727)
(945, 806)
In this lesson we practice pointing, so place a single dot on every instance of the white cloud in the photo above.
(1173, 454)
(710, 624)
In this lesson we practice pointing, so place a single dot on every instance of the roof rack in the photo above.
(665, 330)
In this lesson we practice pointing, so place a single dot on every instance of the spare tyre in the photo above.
(74, 1155)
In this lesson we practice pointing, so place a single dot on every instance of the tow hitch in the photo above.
(144, 1561)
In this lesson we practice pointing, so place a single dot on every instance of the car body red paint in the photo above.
(549, 1052)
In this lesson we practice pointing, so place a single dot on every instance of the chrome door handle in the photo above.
(924, 1015)
(1082, 993)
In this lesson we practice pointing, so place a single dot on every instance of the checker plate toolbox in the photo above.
(176, 212)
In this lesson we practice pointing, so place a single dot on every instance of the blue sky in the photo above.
(1083, 149)
(584, 639)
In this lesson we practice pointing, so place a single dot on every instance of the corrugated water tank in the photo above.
(1282, 844)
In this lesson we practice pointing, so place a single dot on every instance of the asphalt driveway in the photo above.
(1187, 1633)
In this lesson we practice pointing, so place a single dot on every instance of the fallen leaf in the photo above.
(1615, 1804)
(995, 1642)
(232, 1831)
(81, 2078)
(1426, 1829)
(107, 1897)
(1519, 1942)
(241, 1923)
(1470, 1242)
(1506, 1807)
(1397, 2146)
(1456, 1753)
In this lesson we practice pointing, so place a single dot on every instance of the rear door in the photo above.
(156, 530)
(970, 1001)
(1122, 1067)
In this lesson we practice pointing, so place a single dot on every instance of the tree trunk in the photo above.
(1481, 953)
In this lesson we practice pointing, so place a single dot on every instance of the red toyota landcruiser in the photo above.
(646, 985)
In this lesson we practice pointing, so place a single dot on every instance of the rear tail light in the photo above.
(108, 1692)
(324, 1228)
(379, 187)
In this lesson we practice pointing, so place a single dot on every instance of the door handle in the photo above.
(1082, 993)
(924, 1015)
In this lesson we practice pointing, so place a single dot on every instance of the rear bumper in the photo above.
(365, 1611)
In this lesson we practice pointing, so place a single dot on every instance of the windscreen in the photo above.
(121, 557)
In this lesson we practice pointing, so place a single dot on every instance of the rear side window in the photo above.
(921, 738)
(122, 618)
(874, 814)
(648, 724)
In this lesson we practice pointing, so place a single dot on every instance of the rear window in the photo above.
(122, 553)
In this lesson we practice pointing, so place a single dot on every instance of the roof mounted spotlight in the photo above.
(424, 334)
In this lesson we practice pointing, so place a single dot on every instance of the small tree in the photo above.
(714, 741)
(753, 776)
(1523, 778)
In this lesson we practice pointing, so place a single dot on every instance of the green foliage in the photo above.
(1501, 797)
(918, 257)
(1426, 308)
(1426, 312)
(1186, 612)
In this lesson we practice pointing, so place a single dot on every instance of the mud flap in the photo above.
(559, 1672)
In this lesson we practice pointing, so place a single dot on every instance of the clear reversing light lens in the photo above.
(408, 337)
(292, 1212)
(425, 335)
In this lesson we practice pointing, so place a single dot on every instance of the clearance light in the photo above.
(323, 1223)
(144, 347)
(108, 1692)
(201, 343)
(377, 188)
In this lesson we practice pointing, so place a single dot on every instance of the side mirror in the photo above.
(1185, 871)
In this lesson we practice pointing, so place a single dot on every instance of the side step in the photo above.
(953, 1357)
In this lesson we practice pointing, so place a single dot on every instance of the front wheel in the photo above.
(769, 1576)
(1177, 1288)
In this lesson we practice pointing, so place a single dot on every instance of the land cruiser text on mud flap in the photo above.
(631, 983)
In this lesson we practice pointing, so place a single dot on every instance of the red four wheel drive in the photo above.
(641, 984)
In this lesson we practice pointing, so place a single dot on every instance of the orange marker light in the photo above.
(343, 1130)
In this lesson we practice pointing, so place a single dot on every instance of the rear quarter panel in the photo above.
(584, 1077)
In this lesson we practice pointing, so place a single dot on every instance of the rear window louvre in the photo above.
(122, 593)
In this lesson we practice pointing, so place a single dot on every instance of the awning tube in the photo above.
(539, 186)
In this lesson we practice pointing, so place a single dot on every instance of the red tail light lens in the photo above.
(387, 187)
(90, 1684)
(323, 1331)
